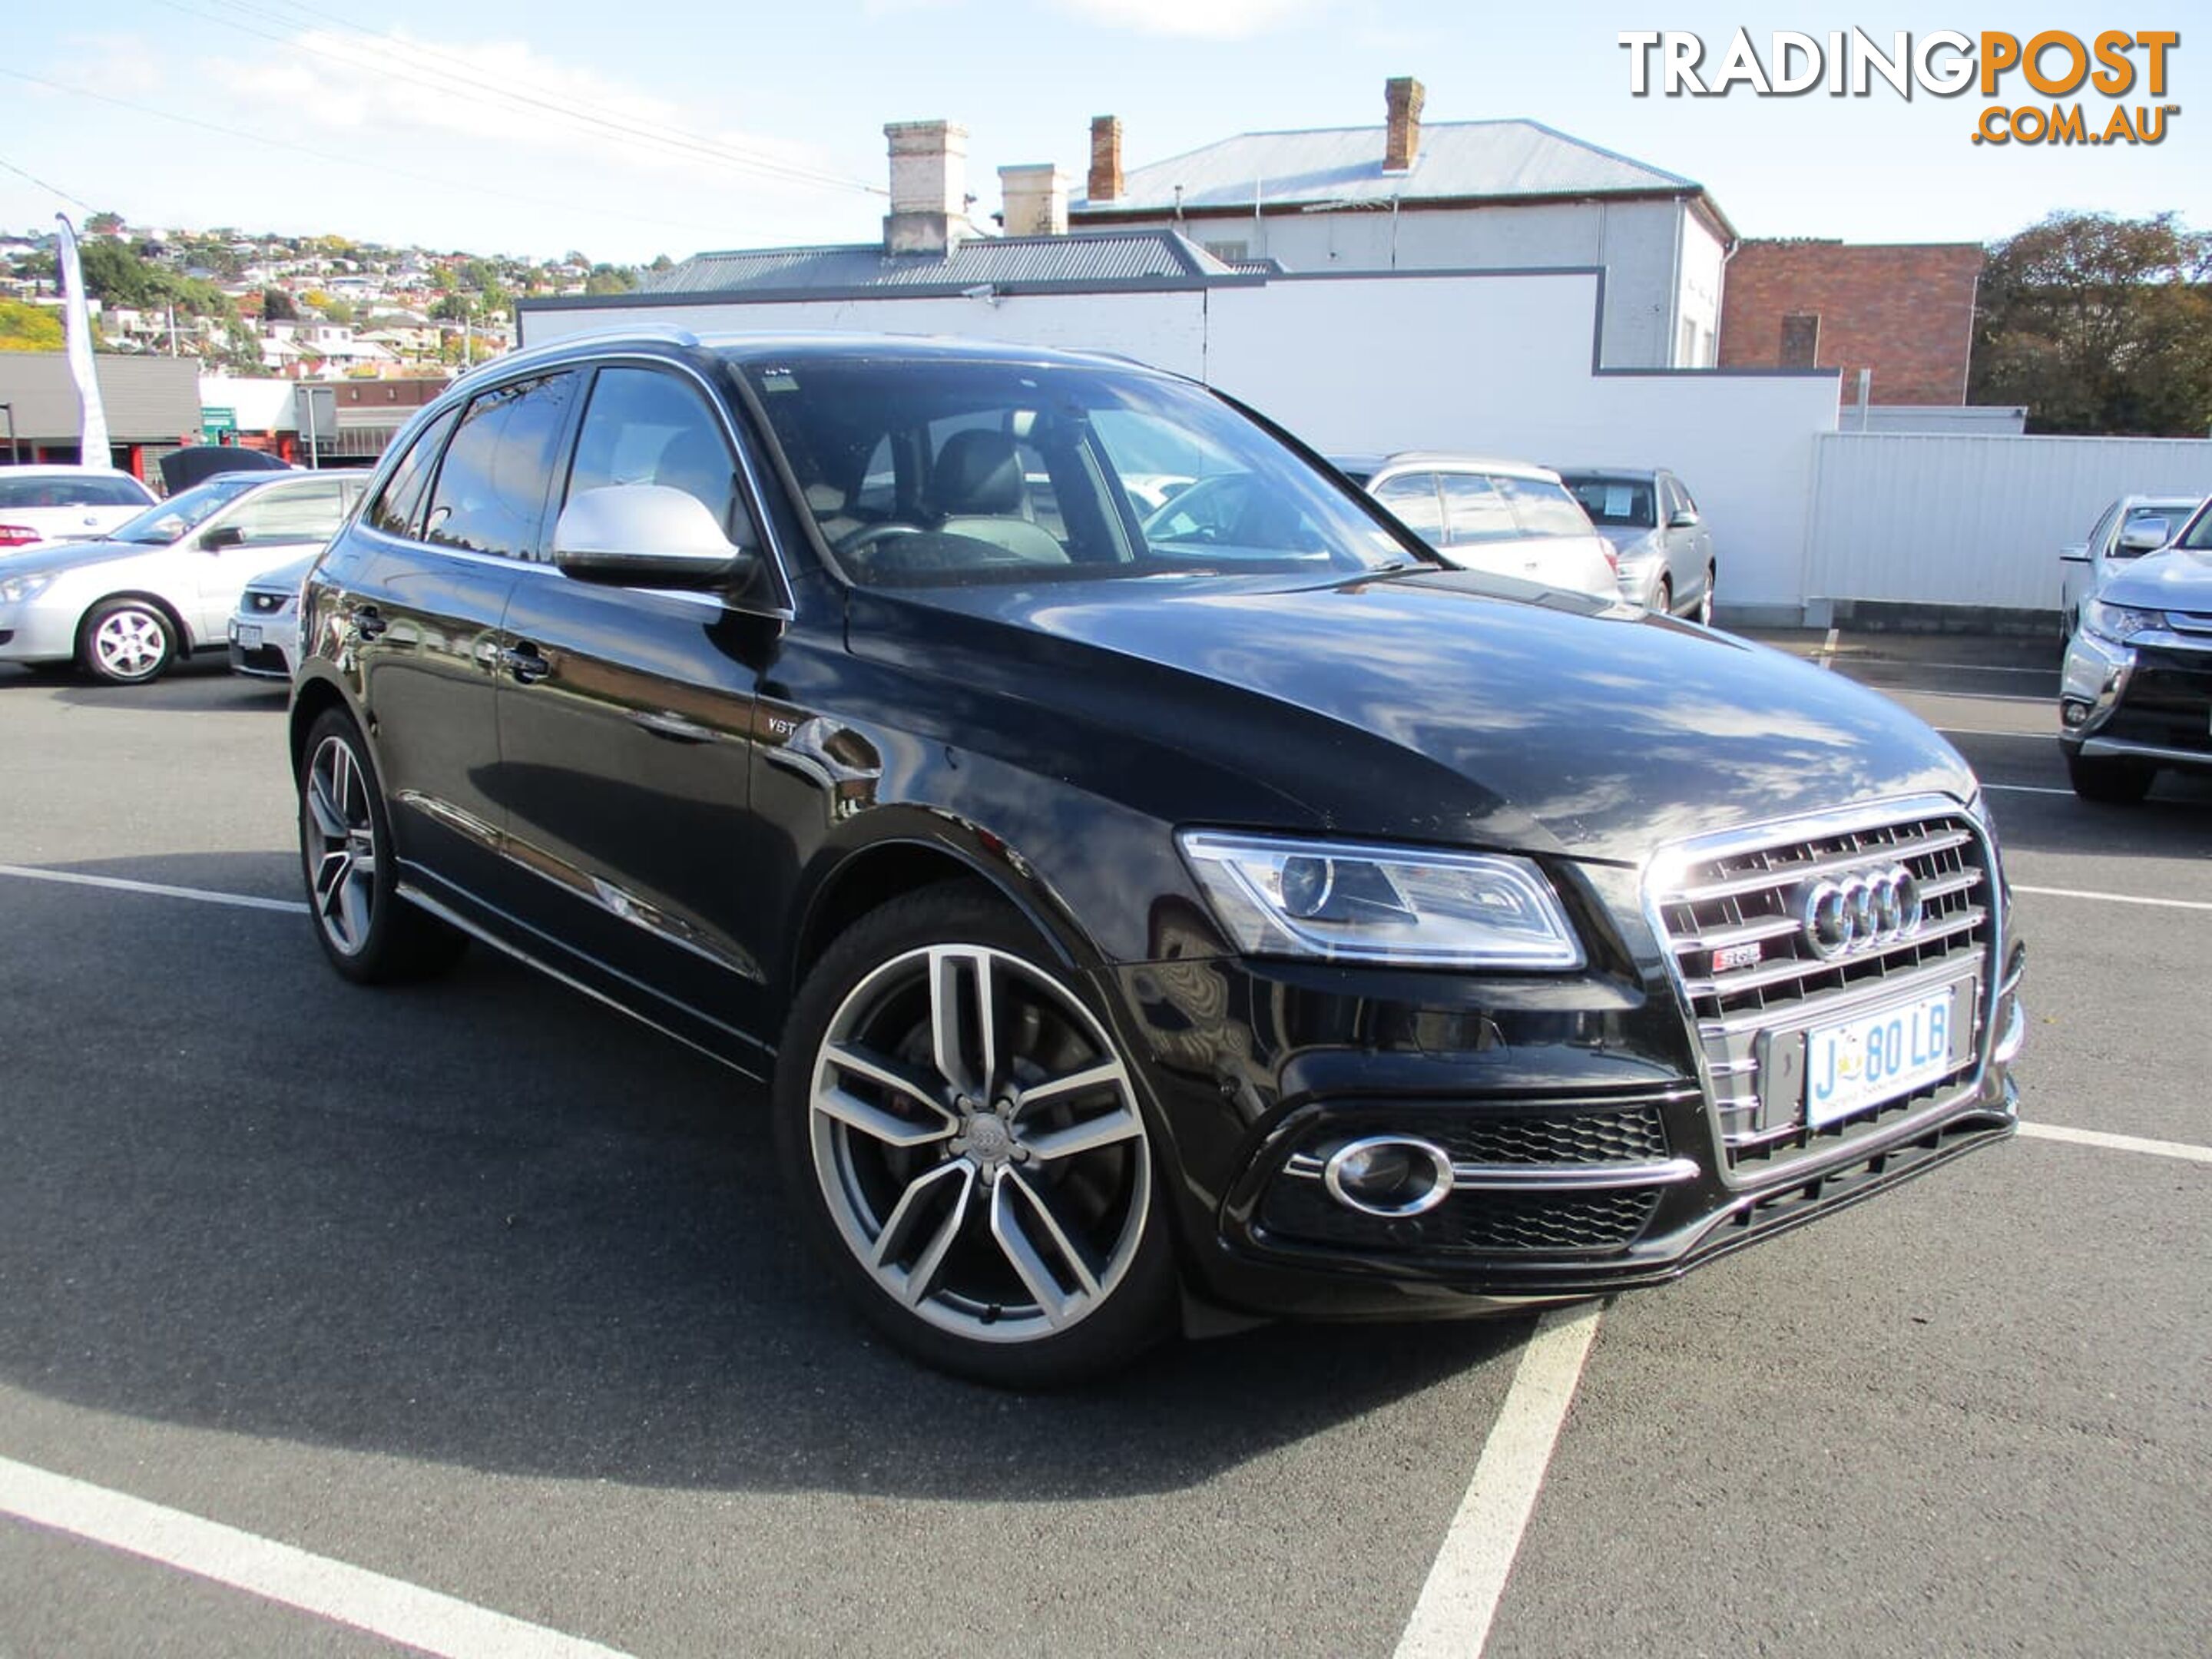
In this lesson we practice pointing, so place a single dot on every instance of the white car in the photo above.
(40, 504)
(264, 629)
(164, 583)
(1509, 518)
(2130, 527)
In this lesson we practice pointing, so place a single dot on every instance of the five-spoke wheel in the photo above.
(964, 1125)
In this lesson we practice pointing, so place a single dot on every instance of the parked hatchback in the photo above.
(1659, 536)
(1132, 924)
(54, 504)
(1506, 517)
(164, 584)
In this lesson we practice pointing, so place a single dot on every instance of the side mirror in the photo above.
(645, 536)
(2078, 554)
(1683, 518)
(222, 536)
(2144, 536)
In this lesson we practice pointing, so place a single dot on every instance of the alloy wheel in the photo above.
(342, 856)
(979, 1144)
(130, 644)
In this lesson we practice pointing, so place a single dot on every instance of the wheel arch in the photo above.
(186, 643)
(315, 697)
(855, 881)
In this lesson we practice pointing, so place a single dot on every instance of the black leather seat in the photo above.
(978, 491)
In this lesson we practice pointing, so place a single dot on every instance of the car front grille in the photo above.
(1466, 1223)
(2168, 702)
(1730, 912)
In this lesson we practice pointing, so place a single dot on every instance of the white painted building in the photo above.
(1507, 195)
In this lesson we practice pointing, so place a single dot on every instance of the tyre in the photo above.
(127, 642)
(370, 933)
(963, 1141)
(1662, 597)
(1706, 604)
(2117, 782)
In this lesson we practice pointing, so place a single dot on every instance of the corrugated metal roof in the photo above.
(1085, 259)
(1458, 160)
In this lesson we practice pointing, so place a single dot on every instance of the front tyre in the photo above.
(127, 642)
(962, 1138)
(370, 934)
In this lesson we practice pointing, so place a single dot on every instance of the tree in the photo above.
(103, 224)
(2098, 324)
(276, 307)
(610, 279)
(29, 328)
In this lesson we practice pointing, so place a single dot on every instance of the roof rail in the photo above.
(635, 334)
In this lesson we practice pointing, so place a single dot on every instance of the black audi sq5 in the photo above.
(1253, 918)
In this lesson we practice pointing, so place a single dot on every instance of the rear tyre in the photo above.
(961, 1137)
(370, 934)
(1706, 604)
(127, 642)
(2116, 783)
(1662, 600)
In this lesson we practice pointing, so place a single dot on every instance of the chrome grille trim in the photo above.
(1740, 887)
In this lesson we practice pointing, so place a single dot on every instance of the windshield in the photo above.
(178, 516)
(1613, 503)
(2197, 536)
(939, 472)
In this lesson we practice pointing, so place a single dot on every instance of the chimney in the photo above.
(929, 187)
(1105, 159)
(1036, 200)
(1402, 96)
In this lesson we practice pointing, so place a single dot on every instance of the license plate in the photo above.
(249, 636)
(1862, 1062)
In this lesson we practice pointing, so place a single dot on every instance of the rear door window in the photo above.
(398, 508)
(498, 471)
(1412, 499)
(1544, 509)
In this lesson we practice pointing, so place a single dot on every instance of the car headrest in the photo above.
(977, 473)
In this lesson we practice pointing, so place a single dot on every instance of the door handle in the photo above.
(525, 664)
(666, 723)
(368, 623)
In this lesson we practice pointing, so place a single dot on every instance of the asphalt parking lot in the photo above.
(481, 1297)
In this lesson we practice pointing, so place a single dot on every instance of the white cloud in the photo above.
(1219, 19)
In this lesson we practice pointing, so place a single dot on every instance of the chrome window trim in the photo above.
(1835, 821)
(626, 349)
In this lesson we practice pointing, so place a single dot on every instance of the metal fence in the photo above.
(1932, 519)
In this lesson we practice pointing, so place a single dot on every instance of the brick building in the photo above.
(1903, 310)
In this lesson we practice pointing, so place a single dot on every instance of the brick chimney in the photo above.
(1402, 96)
(1036, 198)
(1105, 159)
(929, 187)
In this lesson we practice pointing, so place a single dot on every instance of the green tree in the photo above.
(28, 328)
(611, 279)
(2098, 324)
(103, 224)
(276, 307)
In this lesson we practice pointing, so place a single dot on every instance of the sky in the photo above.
(558, 125)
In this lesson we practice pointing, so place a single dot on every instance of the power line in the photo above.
(287, 145)
(54, 189)
(471, 81)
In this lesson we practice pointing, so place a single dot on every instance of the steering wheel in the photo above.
(868, 535)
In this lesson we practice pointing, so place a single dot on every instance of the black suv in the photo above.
(1133, 925)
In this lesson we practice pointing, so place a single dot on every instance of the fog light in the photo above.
(1387, 1175)
(2072, 712)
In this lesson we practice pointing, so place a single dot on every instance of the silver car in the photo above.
(59, 503)
(1510, 518)
(264, 629)
(164, 584)
(1659, 536)
(2125, 531)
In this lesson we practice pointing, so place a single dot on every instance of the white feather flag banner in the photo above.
(92, 430)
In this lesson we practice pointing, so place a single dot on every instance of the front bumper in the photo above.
(268, 658)
(1584, 1131)
(2149, 699)
(31, 632)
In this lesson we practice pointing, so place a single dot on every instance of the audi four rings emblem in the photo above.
(1864, 910)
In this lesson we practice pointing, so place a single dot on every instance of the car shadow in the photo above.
(487, 1222)
(202, 685)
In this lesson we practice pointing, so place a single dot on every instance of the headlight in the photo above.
(2118, 623)
(1395, 904)
(14, 590)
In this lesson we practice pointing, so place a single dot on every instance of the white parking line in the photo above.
(2026, 789)
(1827, 657)
(2114, 898)
(390, 1607)
(199, 895)
(2180, 1149)
(1468, 1576)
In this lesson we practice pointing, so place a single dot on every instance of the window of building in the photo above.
(1801, 340)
